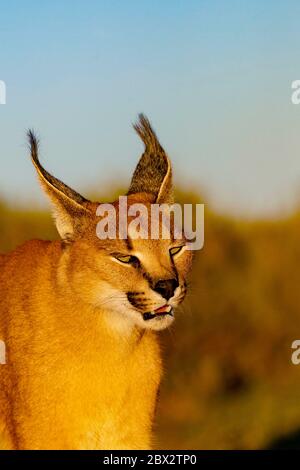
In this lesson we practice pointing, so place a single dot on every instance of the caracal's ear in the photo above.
(69, 207)
(153, 173)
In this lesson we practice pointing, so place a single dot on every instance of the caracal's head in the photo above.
(113, 259)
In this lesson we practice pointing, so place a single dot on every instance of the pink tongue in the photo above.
(164, 308)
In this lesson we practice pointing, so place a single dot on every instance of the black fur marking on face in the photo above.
(148, 278)
(136, 299)
(135, 293)
(128, 243)
(150, 315)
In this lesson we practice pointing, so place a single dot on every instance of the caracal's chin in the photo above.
(158, 323)
(126, 318)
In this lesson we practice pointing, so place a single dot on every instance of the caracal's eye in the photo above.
(174, 251)
(127, 259)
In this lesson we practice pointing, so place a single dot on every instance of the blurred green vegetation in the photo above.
(229, 382)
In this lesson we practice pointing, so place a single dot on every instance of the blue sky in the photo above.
(213, 76)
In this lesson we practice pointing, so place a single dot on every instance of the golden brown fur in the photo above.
(83, 367)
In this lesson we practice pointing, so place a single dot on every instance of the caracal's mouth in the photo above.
(159, 312)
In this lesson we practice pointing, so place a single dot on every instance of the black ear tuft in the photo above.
(147, 134)
(33, 145)
(51, 180)
(69, 207)
(153, 172)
